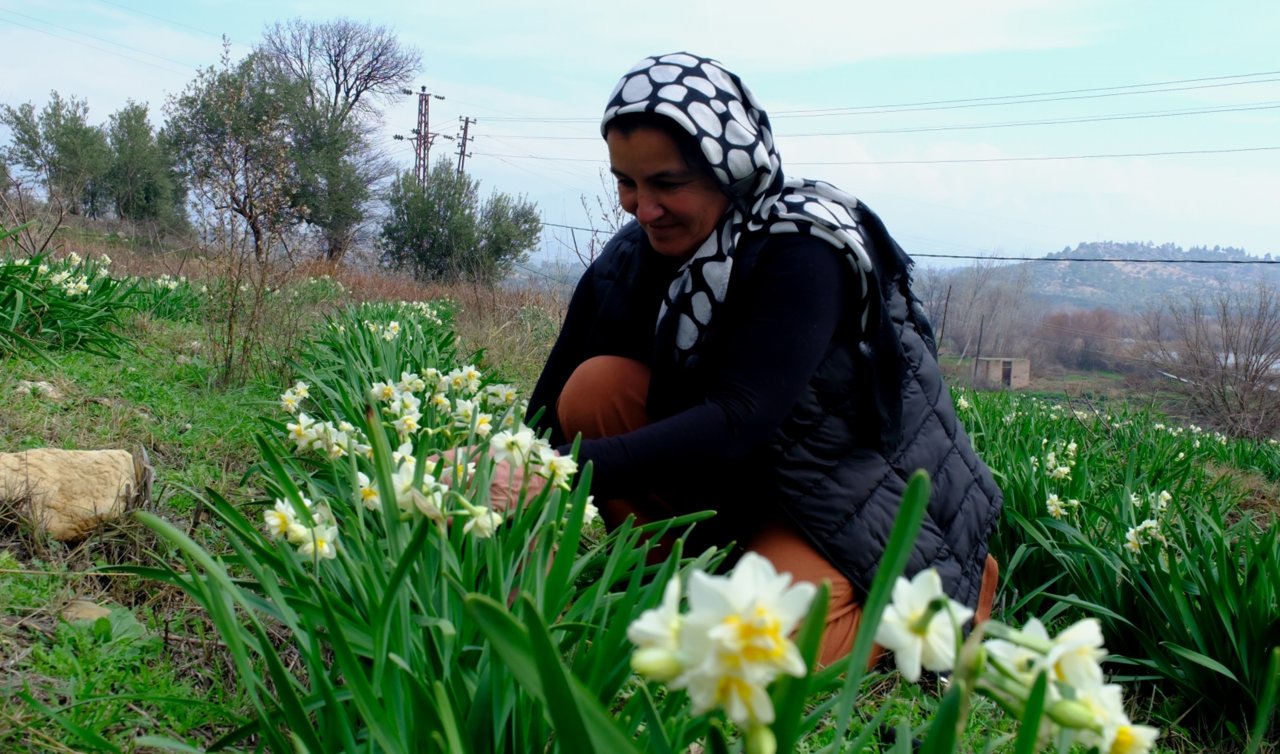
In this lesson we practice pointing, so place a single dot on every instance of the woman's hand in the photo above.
(504, 485)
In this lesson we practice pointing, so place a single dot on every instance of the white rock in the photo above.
(72, 491)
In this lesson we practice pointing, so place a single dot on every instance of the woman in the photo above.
(750, 345)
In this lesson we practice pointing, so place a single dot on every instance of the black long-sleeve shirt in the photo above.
(776, 325)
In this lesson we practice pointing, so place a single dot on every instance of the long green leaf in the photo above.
(898, 550)
(571, 730)
(511, 641)
(1029, 725)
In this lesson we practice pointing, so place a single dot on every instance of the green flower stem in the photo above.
(1008, 633)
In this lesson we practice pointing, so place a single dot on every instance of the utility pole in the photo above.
(422, 136)
(462, 147)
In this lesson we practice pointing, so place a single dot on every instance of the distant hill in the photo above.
(1133, 286)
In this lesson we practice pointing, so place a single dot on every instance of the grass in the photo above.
(154, 666)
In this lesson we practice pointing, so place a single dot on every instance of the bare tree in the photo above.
(933, 286)
(344, 68)
(1224, 352)
(605, 217)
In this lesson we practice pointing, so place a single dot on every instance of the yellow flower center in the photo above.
(760, 635)
(731, 686)
(1125, 741)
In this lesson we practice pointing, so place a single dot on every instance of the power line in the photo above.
(1023, 99)
(1037, 158)
(1044, 158)
(96, 47)
(1096, 259)
(951, 104)
(973, 126)
(169, 21)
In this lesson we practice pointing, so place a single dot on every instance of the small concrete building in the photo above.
(1003, 372)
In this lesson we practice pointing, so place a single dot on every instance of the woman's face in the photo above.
(678, 206)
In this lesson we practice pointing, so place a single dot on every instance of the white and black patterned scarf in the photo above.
(733, 133)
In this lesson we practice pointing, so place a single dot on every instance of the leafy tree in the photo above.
(343, 68)
(231, 139)
(59, 146)
(141, 177)
(443, 232)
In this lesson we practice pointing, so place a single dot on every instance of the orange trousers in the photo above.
(606, 395)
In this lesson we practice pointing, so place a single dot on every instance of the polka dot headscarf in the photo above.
(733, 134)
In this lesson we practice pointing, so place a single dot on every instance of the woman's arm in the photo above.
(773, 339)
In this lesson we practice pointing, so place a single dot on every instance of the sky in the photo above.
(989, 128)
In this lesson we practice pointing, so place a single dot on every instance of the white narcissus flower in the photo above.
(301, 389)
(279, 519)
(402, 484)
(512, 446)
(1113, 732)
(403, 454)
(1054, 506)
(320, 542)
(557, 469)
(406, 403)
(915, 631)
(590, 512)
(737, 632)
(463, 412)
(383, 391)
(302, 431)
(410, 382)
(656, 636)
(505, 395)
(368, 492)
(407, 424)
(1016, 658)
(289, 401)
(482, 523)
(1075, 654)
(962, 403)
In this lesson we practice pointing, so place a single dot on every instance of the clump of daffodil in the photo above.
(921, 628)
(730, 645)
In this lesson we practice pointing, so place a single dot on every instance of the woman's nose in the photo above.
(648, 208)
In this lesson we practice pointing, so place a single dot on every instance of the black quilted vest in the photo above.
(829, 467)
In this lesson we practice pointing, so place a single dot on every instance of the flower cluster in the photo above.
(414, 489)
(429, 311)
(171, 282)
(1153, 505)
(1059, 459)
(293, 397)
(333, 440)
(921, 627)
(315, 533)
(388, 332)
(731, 644)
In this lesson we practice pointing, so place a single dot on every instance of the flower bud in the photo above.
(760, 740)
(656, 663)
(1072, 714)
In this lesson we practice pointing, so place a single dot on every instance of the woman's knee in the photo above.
(605, 396)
